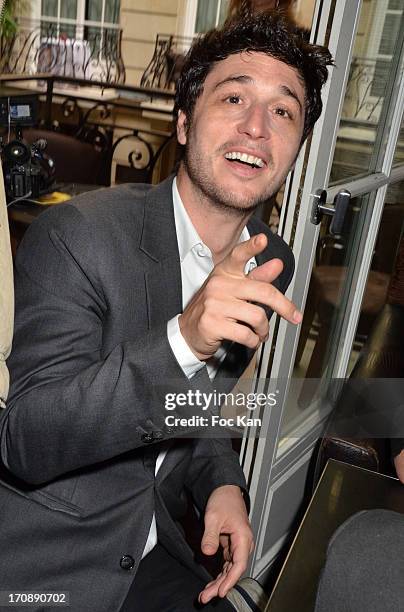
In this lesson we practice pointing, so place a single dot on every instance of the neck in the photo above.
(218, 228)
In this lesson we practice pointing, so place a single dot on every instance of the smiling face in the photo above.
(244, 134)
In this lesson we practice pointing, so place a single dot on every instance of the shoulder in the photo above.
(93, 216)
(87, 229)
(101, 206)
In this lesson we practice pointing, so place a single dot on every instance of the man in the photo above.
(126, 289)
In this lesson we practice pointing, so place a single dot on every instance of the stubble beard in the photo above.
(217, 196)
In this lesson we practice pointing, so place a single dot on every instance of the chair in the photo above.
(143, 159)
(76, 161)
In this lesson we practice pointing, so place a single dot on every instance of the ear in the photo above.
(182, 128)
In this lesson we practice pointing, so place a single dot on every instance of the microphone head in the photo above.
(40, 144)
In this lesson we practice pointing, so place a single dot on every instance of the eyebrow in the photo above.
(240, 78)
(289, 92)
(244, 78)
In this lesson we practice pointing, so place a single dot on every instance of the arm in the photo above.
(227, 524)
(215, 459)
(72, 405)
(214, 315)
(218, 486)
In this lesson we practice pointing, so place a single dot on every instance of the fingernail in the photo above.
(297, 316)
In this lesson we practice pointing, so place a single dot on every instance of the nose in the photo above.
(255, 122)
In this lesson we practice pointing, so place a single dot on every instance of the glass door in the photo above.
(345, 292)
(352, 152)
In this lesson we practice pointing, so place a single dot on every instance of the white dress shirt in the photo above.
(196, 265)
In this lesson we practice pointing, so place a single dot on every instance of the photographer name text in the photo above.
(213, 420)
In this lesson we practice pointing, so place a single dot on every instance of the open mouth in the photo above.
(245, 159)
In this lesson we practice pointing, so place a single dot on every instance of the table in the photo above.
(343, 490)
(25, 212)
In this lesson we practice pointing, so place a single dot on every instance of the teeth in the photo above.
(247, 159)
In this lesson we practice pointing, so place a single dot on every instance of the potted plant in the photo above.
(8, 25)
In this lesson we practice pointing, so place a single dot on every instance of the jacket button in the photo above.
(147, 438)
(127, 562)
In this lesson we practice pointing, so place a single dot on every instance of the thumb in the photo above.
(210, 541)
(235, 262)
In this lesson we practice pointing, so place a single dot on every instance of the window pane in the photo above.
(67, 30)
(390, 33)
(385, 284)
(380, 76)
(396, 5)
(206, 15)
(49, 8)
(48, 30)
(224, 7)
(112, 11)
(364, 98)
(93, 36)
(68, 9)
(94, 10)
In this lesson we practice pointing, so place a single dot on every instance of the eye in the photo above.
(283, 112)
(234, 99)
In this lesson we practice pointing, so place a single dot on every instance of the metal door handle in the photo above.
(337, 213)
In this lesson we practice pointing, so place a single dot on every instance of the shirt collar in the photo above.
(187, 236)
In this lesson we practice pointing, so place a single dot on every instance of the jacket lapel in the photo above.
(163, 286)
(159, 243)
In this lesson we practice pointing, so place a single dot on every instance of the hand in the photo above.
(226, 523)
(226, 306)
(399, 465)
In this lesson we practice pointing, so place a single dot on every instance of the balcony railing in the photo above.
(78, 51)
(167, 61)
(150, 153)
(366, 89)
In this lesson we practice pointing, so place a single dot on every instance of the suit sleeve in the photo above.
(71, 405)
(214, 464)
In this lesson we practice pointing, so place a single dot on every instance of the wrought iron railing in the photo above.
(81, 52)
(97, 120)
(366, 89)
(167, 61)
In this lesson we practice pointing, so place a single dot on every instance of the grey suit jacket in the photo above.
(96, 281)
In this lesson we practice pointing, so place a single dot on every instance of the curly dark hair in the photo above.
(269, 33)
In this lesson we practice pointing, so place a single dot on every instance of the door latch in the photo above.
(319, 209)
